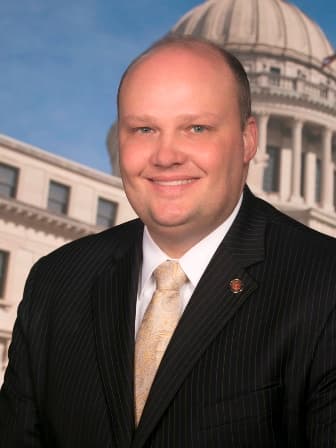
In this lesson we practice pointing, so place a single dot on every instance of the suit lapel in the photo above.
(212, 305)
(114, 300)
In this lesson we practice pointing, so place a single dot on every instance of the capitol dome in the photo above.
(273, 27)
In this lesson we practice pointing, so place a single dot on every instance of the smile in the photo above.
(173, 182)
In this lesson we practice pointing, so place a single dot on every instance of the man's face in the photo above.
(183, 154)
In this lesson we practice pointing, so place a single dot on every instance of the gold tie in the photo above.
(158, 325)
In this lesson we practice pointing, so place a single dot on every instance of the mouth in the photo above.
(172, 183)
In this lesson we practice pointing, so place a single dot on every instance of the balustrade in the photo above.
(296, 87)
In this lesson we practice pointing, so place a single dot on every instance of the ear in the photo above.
(250, 138)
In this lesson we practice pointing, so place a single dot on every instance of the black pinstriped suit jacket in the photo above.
(253, 369)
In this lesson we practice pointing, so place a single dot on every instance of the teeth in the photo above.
(173, 182)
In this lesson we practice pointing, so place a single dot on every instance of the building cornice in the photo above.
(46, 157)
(322, 216)
(276, 105)
(41, 219)
(306, 214)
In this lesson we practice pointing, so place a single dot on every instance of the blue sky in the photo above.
(61, 63)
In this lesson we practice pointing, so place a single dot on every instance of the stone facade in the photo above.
(31, 224)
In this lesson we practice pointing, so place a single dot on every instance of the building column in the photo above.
(296, 161)
(327, 187)
(310, 179)
(262, 127)
(284, 178)
(256, 173)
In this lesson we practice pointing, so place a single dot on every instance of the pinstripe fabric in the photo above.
(65, 384)
(254, 369)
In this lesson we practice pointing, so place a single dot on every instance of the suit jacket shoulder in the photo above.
(113, 241)
(63, 279)
(285, 231)
(90, 254)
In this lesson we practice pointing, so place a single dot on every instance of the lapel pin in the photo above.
(236, 285)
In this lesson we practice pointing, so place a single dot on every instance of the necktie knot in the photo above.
(169, 276)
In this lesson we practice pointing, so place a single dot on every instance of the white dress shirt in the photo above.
(193, 263)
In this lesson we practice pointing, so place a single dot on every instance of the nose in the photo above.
(168, 151)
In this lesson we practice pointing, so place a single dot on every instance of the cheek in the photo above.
(214, 160)
(224, 168)
(131, 160)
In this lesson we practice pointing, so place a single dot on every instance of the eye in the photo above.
(143, 130)
(198, 128)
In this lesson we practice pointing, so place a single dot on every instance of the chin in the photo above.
(168, 217)
(168, 221)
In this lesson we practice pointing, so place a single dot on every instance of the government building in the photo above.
(47, 201)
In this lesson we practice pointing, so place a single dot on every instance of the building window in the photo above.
(323, 91)
(106, 213)
(8, 180)
(275, 76)
(271, 173)
(3, 271)
(318, 180)
(58, 198)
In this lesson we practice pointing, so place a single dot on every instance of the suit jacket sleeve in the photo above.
(321, 404)
(19, 415)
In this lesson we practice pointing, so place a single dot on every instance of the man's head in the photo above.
(238, 71)
(186, 137)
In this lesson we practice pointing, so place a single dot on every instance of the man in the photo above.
(252, 359)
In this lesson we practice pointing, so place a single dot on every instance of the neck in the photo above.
(174, 245)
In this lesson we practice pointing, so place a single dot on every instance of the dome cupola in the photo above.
(272, 27)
